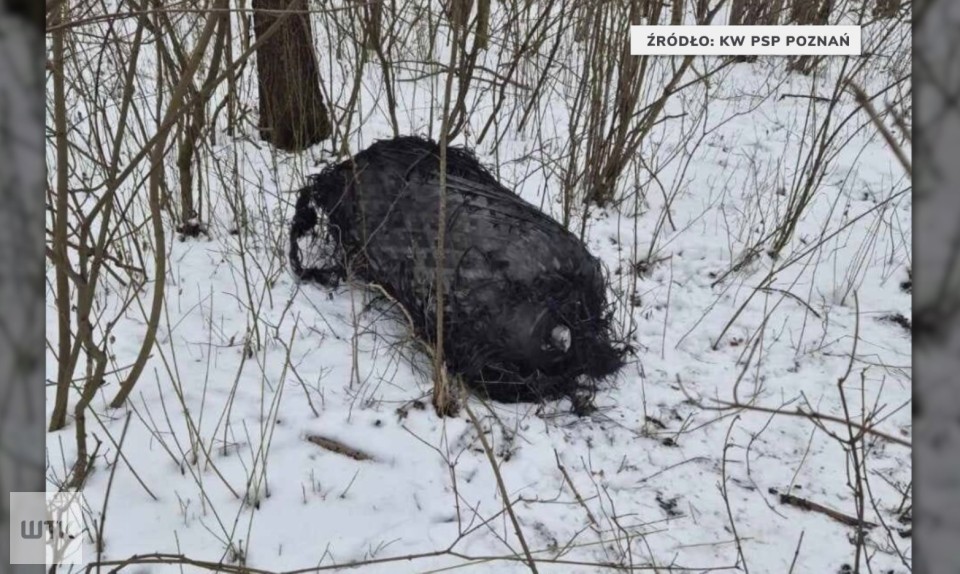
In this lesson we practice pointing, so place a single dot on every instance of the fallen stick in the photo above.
(563, 470)
(805, 504)
(338, 447)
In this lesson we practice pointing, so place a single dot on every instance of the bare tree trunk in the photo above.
(232, 78)
(886, 8)
(775, 12)
(808, 12)
(483, 24)
(737, 9)
(192, 128)
(58, 418)
(748, 12)
(823, 12)
(293, 115)
(804, 12)
(374, 42)
(676, 13)
(444, 401)
(702, 9)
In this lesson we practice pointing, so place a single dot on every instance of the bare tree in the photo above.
(886, 8)
(293, 115)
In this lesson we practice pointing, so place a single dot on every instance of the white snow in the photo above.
(217, 464)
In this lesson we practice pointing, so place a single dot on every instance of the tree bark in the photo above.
(293, 115)
(886, 9)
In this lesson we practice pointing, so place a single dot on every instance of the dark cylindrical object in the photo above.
(525, 307)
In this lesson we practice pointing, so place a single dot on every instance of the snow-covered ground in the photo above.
(217, 458)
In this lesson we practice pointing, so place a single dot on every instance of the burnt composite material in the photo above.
(525, 310)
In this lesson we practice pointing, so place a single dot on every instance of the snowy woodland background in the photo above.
(753, 215)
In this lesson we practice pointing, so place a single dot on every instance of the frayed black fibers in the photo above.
(525, 310)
